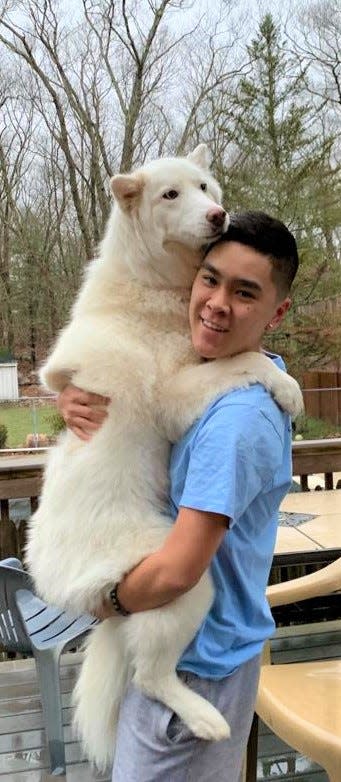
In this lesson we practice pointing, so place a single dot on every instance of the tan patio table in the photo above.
(321, 531)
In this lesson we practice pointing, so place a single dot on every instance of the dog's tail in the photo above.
(98, 693)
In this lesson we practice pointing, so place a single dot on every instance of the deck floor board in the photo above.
(23, 755)
(24, 758)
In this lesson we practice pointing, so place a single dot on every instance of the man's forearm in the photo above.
(148, 586)
(176, 567)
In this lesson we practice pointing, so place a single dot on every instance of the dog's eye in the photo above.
(203, 186)
(170, 195)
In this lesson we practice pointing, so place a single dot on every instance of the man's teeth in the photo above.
(212, 326)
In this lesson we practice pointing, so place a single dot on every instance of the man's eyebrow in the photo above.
(255, 286)
(251, 284)
(206, 265)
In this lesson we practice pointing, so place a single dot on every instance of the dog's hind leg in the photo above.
(156, 639)
(99, 691)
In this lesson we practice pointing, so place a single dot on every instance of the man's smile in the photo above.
(209, 324)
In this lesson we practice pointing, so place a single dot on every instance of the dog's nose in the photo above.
(216, 216)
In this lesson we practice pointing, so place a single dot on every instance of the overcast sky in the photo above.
(253, 10)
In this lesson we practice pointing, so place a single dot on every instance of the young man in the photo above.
(228, 476)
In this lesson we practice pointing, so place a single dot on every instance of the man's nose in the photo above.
(216, 216)
(219, 302)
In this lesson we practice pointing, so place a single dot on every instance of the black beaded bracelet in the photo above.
(116, 604)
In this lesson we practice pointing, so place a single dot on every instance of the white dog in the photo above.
(103, 503)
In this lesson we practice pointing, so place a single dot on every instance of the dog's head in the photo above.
(172, 201)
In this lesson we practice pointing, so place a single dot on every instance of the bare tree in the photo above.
(15, 136)
(318, 49)
(120, 82)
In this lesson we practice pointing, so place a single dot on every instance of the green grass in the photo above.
(315, 428)
(21, 421)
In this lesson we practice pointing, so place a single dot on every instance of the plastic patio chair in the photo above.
(301, 702)
(30, 626)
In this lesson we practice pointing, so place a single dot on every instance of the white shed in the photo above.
(9, 388)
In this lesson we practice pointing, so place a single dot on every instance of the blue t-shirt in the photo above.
(235, 460)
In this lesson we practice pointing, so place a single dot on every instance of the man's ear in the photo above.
(127, 189)
(200, 156)
(281, 311)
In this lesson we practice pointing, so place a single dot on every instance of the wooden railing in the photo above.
(19, 477)
(311, 457)
(22, 477)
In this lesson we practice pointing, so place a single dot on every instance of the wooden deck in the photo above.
(23, 757)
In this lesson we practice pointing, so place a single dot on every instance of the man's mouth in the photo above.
(209, 324)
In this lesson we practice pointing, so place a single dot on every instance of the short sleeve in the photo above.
(234, 456)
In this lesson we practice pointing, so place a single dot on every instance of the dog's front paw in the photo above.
(288, 395)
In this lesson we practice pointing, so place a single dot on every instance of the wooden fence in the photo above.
(322, 395)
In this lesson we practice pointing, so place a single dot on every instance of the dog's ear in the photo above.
(200, 156)
(127, 189)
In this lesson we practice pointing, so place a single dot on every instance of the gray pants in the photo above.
(153, 745)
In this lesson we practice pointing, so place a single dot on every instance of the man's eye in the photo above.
(209, 279)
(170, 195)
(245, 294)
(203, 186)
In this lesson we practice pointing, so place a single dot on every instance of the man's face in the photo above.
(233, 302)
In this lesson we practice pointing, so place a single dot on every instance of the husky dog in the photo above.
(104, 503)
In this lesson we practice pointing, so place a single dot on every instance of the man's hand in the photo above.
(83, 412)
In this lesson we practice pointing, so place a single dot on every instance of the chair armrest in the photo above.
(323, 582)
(12, 562)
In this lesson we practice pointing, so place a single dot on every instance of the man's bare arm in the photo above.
(176, 567)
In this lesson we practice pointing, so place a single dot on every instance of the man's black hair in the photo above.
(269, 237)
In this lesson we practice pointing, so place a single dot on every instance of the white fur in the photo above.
(100, 510)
